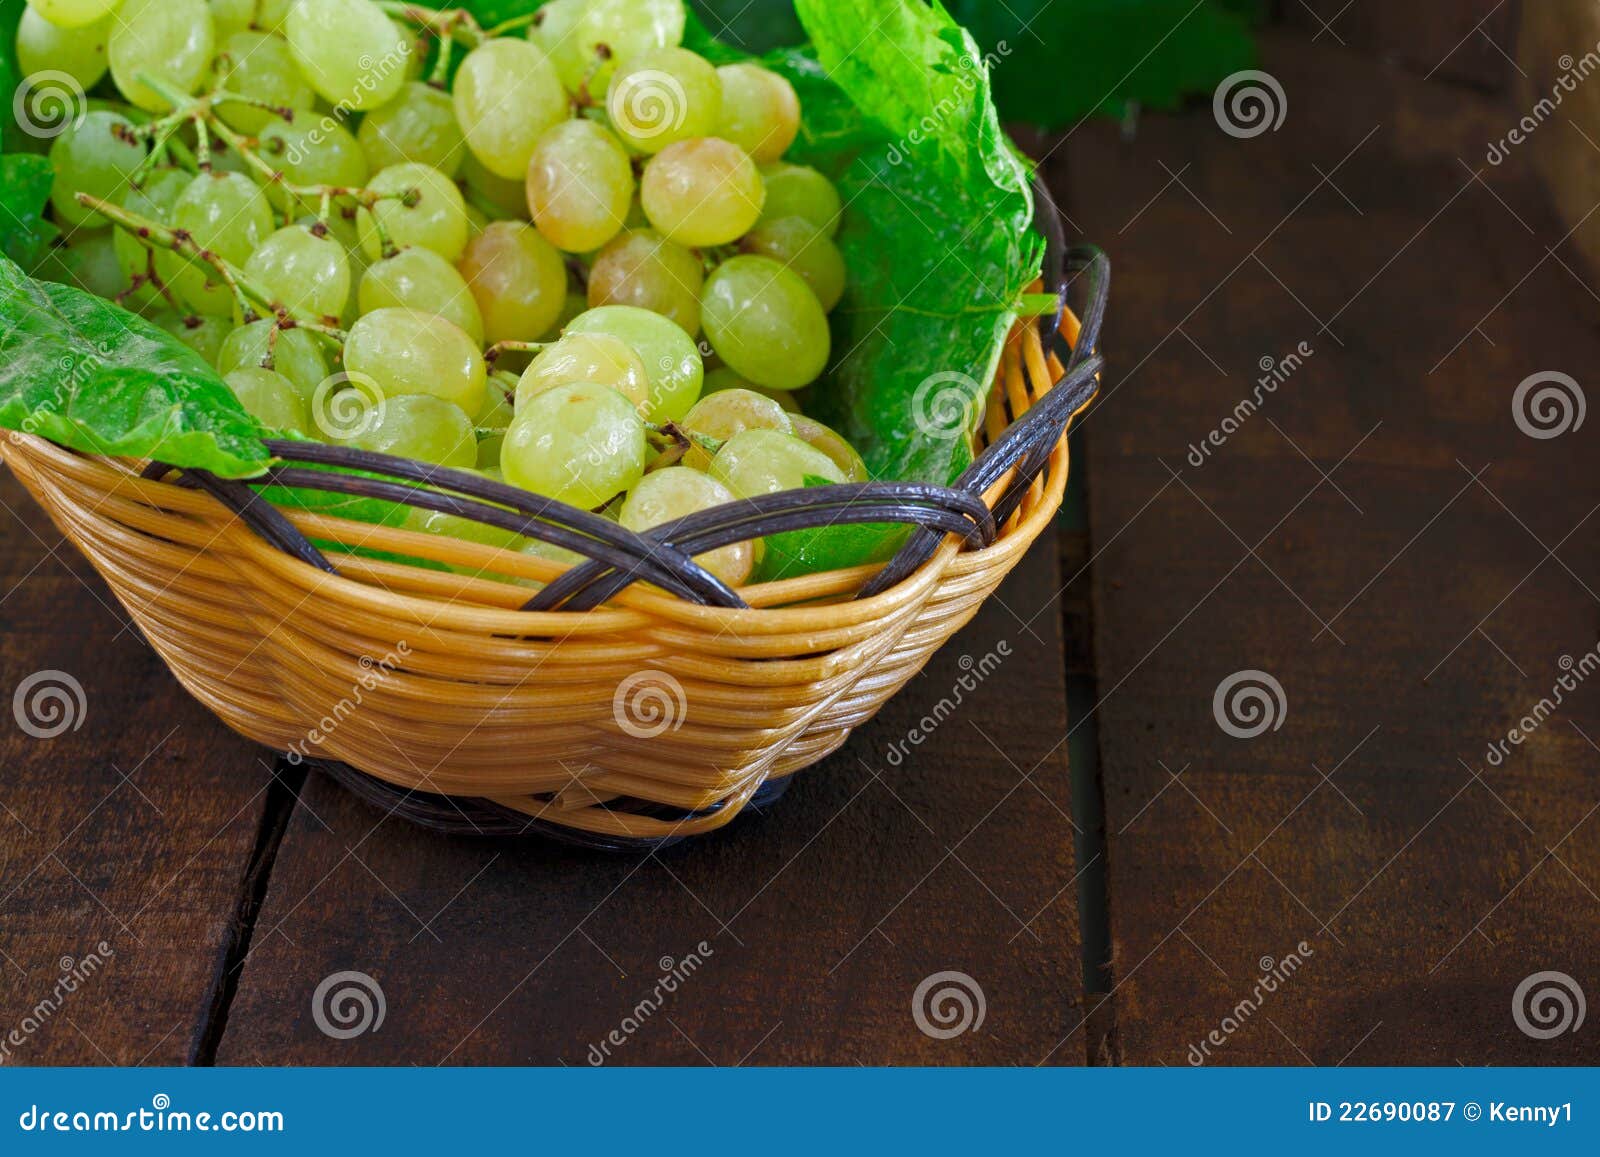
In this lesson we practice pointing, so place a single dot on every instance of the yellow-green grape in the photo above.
(518, 279)
(662, 97)
(418, 126)
(305, 273)
(581, 444)
(580, 184)
(272, 15)
(702, 192)
(477, 221)
(554, 32)
(723, 378)
(507, 198)
(417, 278)
(171, 41)
(756, 462)
(497, 412)
(597, 359)
(204, 335)
(819, 437)
(507, 96)
(312, 154)
(78, 52)
(642, 268)
(297, 354)
(801, 191)
(721, 415)
(611, 33)
(671, 359)
(489, 450)
(87, 260)
(259, 66)
(764, 322)
(228, 215)
(805, 249)
(73, 13)
(96, 157)
(466, 529)
(426, 429)
(760, 111)
(406, 351)
(269, 399)
(153, 199)
(230, 16)
(424, 207)
(353, 55)
(677, 492)
(576, 305)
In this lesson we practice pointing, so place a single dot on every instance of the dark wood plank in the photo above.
(1377, 538)
(134, 830)
(1470, 41)
(819, 918)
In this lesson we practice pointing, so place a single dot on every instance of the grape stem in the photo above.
(447, 24)
(494, 352)
(684, 439)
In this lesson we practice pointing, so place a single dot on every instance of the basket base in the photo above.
(456, 816)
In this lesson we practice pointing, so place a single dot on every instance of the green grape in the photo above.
(677, 492)
(760, 111)
(297, 354)
(73, 13)
(465, 529)
(722, 378)
(92, 157)
(555, 32)
(518, 279)
(800, 191)
(228, 215)
(204, 335)
(662, 97)
(417, 278)
(642, 268)
(497, 411)
(406, 351)
(757, 462)
(353, 55)
(489, 450)
(230, 16)
(259, 66)
(819, 437)
(437, 220)
(312, 154)
(153, 199)
(271, 15)
(269, 399)
(595, 359)
(576, 305)
(477, 222)
(303, 272)
(721, 415)
(613, 32)
(418, 126)
(671, 359)
(506, 199)
(580, 184)
(87, 260)
(765, 322)
(425, 429)
(580, 444)
(78, 52)
(171, 41)
(805, 249)
(507, 96)
(703, 192)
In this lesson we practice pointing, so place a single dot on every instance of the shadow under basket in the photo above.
(621, 703)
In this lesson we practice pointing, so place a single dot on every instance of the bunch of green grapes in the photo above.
(518, 259)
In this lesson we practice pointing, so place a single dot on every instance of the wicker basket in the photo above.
(601, 711)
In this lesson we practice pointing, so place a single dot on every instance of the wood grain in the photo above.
(1469, 41)
(1377, 537)
(134, 831)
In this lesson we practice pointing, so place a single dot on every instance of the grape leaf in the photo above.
(24, 190)
(11, 137)
(84, 373)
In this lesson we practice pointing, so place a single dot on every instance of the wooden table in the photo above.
(1378, 536)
